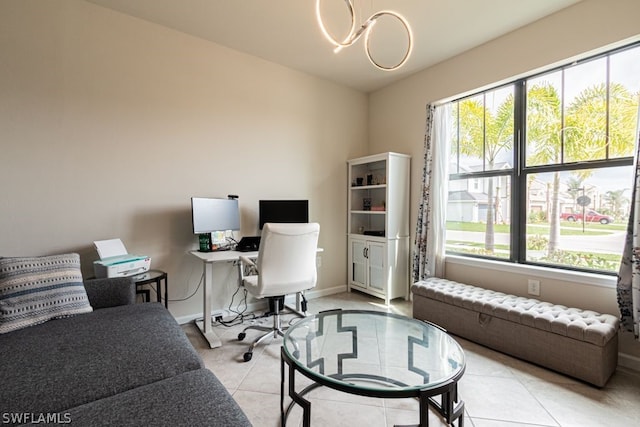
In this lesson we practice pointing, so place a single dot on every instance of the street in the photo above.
(608, 243)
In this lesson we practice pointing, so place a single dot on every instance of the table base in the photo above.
(450, 407)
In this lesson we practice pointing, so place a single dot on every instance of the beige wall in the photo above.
(109, 124)
(397, 114)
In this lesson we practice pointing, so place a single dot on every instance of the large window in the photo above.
(541, 169)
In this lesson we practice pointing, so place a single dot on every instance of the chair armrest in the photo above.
(247, 261)
(247, 267)
(104, 293)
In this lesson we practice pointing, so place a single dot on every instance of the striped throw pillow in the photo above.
(34, 290)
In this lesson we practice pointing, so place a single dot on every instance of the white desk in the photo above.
(208, 259)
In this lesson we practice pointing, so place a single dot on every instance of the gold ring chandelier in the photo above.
(355, 34)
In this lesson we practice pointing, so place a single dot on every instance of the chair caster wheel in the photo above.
(296, 354)
(247, 356)
(241, 336)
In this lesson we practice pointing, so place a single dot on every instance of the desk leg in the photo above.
(205, 325)
(298, 309)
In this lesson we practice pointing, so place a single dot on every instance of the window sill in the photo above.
(534, 270)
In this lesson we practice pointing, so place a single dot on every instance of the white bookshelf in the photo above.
(378, 225)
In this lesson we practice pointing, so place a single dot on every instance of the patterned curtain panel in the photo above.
(429, 247)
(629, 274)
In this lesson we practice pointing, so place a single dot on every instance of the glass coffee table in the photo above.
(374, 354)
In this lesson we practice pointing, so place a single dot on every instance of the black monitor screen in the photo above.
(283, 211)
(209, 215)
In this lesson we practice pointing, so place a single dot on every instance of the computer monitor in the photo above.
(209, 215)
(283, 211)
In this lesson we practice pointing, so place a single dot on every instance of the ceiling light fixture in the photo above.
(355, 34)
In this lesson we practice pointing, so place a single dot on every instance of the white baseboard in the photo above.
(255, 306)
(628, 361)
(262, 305)
(317, 293)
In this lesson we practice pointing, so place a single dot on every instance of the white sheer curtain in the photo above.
(429, 249)
(628, 287)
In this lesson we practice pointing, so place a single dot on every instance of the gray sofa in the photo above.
(122, 364)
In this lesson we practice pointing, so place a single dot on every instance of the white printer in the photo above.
(116, 262)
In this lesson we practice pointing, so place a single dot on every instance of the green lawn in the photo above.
(618, 226)
(600, 261)
(566, 228)
(480, 245)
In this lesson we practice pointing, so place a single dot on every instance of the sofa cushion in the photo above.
(72, 361)
(195, 398)
(111, 292)
(34, 290)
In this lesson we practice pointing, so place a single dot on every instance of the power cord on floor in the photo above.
(240, 315)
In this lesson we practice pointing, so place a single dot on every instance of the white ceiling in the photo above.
(286, 31)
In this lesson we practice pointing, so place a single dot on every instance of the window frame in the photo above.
(520, 171)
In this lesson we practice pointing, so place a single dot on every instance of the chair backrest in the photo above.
(287, 258)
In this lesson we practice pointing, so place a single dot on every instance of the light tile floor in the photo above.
(498, 390)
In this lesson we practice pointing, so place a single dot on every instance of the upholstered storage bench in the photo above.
(579, 343)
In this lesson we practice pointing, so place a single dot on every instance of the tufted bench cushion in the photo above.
(580, 343)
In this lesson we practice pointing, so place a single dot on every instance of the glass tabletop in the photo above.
(372, 350)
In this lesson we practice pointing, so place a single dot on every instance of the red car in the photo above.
(590, 216)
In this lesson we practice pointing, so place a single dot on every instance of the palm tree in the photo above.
(574, 188)
(588, 135)
(616, 199)
(483, 135)
(581, 135)
(544, 137)
(584, 134)
(592, 134)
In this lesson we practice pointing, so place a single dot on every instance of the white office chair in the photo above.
(286, 265)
